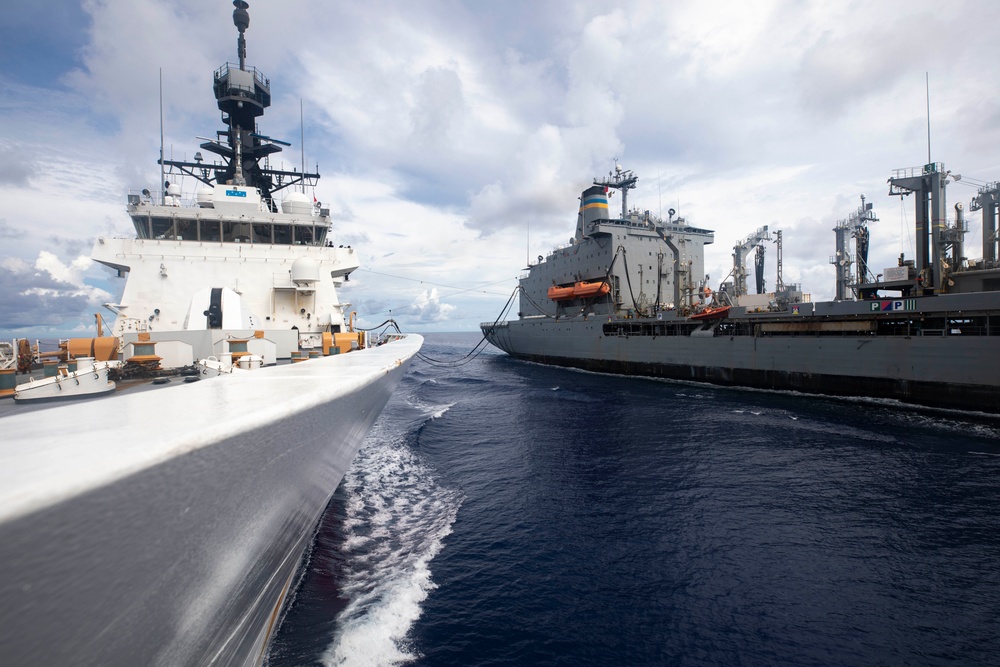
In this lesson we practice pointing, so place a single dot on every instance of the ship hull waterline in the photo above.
(940, 371)
(182, 552)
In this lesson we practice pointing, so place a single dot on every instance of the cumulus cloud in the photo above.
(454, 138)
(548, 161)
(46, 293)
(68, 274)
(428, 307)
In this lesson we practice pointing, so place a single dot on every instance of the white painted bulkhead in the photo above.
(165, 275)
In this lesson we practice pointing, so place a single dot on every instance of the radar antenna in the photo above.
(620, 179)
(241, 18)
(242, 93)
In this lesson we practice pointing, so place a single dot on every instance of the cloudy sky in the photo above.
(454, 137)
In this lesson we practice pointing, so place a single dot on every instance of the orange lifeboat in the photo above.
(586, 290)
(711, 313)
(580, 290)
(560, 293)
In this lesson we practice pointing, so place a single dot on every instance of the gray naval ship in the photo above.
(629, 295)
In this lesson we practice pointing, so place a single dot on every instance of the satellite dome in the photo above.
(296, 203)
(305, 271)
(204, 197)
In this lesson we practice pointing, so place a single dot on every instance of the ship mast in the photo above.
(620, 179)
(241, 18)
(242, 93)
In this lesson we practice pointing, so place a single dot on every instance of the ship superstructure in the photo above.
(229, 255)
(925, 331)
(647, 264)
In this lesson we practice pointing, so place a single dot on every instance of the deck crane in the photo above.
(856, 227)
(740, 252)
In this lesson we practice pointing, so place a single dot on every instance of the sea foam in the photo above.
(397, 519)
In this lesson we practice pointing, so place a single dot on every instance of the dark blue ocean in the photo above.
(508, 513)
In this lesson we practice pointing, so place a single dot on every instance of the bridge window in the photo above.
(162, 228)
(211, 230)
(141, 226)
(236, 232)
(303, 235)
(262, 234)
(187, 230)
(283, 234)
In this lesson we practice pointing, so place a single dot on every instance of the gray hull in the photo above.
(627, 296)
(944, 371)
(179, 544)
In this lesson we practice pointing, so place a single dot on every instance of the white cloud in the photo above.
(454, 138)
(68, 274)
(428, 307)
(41, 297)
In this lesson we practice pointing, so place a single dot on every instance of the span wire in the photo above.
(475, 351)
(392, 324)
(440, 296)
(427, 282)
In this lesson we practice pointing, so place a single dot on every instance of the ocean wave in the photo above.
(397, 517)
(424, 412)
(437, 414)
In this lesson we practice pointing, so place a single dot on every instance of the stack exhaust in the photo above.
(593, 207)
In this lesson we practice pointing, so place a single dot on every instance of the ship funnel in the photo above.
(593, 207)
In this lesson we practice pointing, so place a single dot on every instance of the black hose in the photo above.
(628, 281)
(479, 347)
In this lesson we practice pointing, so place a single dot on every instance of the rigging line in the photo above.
(392, 324)
(429, 299)
(471, 356)
(475, 351)
(541, 310)
(628, 281)
(481, 345)
(427, 282)
(544, 312)
(974, 229)
(388, 321)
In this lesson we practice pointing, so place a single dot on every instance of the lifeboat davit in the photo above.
(580, 290)
(712, 313)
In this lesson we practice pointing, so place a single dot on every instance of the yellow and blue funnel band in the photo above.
(594, 201)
